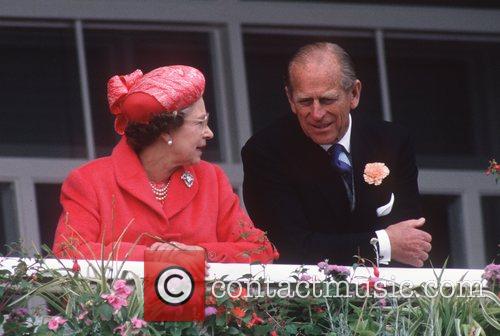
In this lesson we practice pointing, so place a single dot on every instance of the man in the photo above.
(317, 179)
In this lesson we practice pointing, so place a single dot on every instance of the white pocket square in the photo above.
(386, 209)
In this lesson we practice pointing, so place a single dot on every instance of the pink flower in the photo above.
(76, 267)
(138, 323)
(121, 288)
(116, 301)
(55, 322)
(122, 329)
(210, 311)
(82, 315)
(375, 173)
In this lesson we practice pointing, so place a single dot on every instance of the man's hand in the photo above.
(409, 245)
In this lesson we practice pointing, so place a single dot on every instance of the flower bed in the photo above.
(109, 300)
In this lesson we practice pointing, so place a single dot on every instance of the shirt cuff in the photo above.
(384, 246)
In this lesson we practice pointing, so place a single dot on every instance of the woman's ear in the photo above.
(167, 138)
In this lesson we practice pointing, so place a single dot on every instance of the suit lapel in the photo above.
(360, 152)
(315, 170)
(363, 151)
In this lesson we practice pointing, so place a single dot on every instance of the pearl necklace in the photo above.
(160, 190)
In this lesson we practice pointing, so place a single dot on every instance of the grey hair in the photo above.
(305, 54)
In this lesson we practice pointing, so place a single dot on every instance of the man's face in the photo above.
(319, 101)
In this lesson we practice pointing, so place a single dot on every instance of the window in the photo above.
(49, 210)
(491, 220)
(443, 217)
(40, 93)
(8, 218)
(446, 92)
(112, 52)
(266, 58)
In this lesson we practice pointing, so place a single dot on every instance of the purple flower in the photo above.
(18, 313)
(210, 311)
(305, 277)
(382, 302)
(337, 270)
(492, 274)
(322, 265)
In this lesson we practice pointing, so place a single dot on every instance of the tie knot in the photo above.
(340, 158)
(336, 149)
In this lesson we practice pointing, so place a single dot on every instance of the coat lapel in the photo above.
(131, 176)
(180, 194)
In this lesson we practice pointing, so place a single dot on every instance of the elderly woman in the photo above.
(154, 191)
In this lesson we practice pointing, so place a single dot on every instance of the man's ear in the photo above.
(290, 98)
(355, 94)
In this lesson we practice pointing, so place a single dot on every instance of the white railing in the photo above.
(272, 272)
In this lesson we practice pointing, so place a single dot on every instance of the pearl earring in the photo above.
(170, 142)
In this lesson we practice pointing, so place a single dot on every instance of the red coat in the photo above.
(101, 198)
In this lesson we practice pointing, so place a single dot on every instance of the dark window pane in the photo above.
(40, 93)
(117, 52)
(266, 59)
(8, 218)
(491, 220)
(446, 92)
(442, 3)
(49, 210)
(443, 215)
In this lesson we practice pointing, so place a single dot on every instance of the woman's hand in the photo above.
(172, 245)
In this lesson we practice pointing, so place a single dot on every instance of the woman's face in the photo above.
(190, 139)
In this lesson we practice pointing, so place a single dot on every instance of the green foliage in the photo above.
(83, 305)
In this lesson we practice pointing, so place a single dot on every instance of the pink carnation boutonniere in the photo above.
(375, 173)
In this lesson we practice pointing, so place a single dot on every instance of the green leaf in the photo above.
(176, 332)
(105, 311)
(366, 333)
(246, 276)
(233, 331)
(291, 329)
(220, 321)
(43, 330)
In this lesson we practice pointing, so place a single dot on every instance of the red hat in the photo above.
(137, 97)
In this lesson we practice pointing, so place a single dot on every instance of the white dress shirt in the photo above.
(384, 242)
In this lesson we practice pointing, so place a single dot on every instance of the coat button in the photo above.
(211, 255)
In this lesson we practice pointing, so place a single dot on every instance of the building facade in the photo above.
(433, 68)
